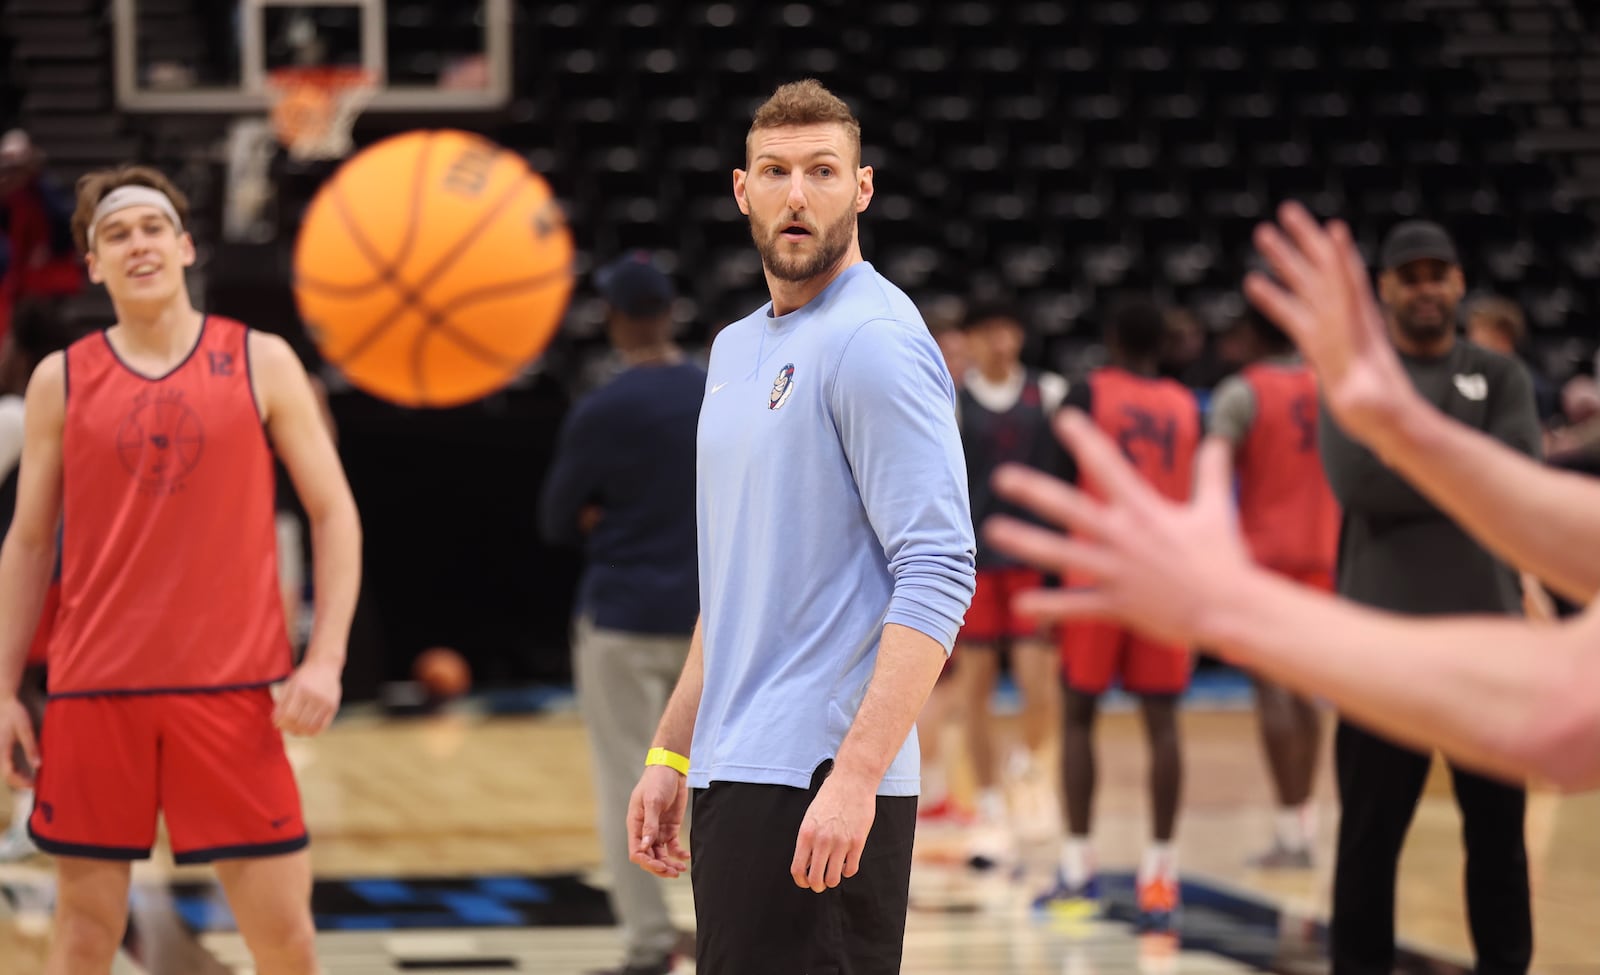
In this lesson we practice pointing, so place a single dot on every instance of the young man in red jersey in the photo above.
(1267, 414)
(1156, 423)
(152, 444)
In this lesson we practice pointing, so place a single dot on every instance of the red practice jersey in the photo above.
(169, 577)
(1156, 422)
(1286, 509)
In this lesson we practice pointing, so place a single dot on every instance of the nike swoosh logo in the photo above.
(281, 823)
(717, 387)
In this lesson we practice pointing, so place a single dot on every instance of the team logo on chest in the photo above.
(781, 388)
(160, 442)
(1474, 387)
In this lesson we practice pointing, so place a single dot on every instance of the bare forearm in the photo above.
(676, 730)
(25, 569)
(336, 576)
(909, 663)
(1512, 698)
(1540, 519)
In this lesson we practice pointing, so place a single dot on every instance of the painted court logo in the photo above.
(781, 388)
(160, 442)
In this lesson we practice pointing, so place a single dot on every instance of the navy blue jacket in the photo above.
(628, 448)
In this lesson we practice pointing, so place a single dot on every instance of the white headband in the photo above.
(124, 197)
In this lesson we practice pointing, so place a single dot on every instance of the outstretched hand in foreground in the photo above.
(1155, 564)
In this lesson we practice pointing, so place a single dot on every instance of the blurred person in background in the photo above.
(1574, 441)
(1004, 414)
(622, 485)
(1189, 353)
(1267, 414)
(38, 261)
(1399, 553)
(1156, 423)
(1183, 343)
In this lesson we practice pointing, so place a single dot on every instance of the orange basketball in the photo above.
(432, 268)
(443, 672)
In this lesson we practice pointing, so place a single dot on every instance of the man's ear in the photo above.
(863, 188)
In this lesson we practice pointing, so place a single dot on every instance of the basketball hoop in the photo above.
(313, 108)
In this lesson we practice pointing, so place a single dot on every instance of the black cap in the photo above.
(1417, 240)
(634, 286)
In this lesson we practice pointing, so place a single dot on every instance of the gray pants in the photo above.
(623, 682)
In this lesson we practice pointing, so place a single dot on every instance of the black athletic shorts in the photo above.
(751, 919)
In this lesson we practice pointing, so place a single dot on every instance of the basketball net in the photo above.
(313, 108)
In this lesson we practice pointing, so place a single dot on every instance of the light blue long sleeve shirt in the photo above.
(832, 499)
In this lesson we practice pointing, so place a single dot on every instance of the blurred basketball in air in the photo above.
(432, 268)
(443, 673)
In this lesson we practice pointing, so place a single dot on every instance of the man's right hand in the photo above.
(16, 729)
(1323, 299)
(655, 821)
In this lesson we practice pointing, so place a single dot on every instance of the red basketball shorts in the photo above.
(990, 616)
(47, 623)
(1094, 653)
(212, 763)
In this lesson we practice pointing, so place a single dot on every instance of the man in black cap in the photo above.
(622, 485)
(1400, 553)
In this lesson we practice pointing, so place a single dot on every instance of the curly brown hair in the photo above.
(804, 102)
(94, 187)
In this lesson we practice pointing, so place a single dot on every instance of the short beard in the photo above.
(1424, 333)
(834, 242)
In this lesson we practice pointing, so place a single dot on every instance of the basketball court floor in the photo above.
(462, 842)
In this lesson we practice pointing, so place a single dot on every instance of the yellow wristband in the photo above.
(672, 760)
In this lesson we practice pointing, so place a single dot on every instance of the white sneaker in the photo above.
(16, 845)
(990, 847)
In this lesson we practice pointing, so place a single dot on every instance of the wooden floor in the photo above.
(463, 794)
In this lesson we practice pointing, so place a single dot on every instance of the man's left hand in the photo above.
(834, 833)
(309, 700)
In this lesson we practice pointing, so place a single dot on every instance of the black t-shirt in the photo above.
(989, 438)
(1396, 550)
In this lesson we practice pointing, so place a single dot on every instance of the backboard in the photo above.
(215, 55)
